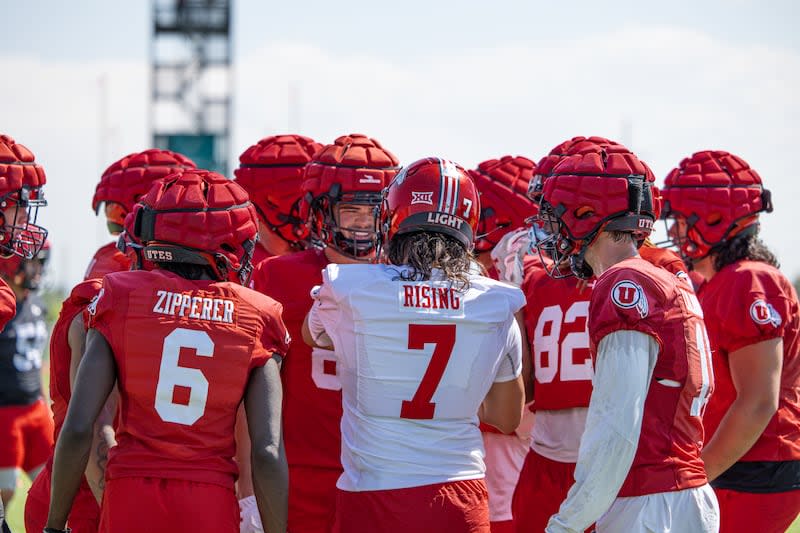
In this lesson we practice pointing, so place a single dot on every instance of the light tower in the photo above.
(191, 80)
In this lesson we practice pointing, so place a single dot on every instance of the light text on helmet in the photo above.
(445, 220)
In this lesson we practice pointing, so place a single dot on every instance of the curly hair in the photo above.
(746, 245)
(423, 251)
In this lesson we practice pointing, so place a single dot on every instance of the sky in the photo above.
(466, 80)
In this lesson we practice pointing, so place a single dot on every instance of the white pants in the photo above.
(692, 510)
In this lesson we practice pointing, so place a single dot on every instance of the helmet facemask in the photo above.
(20, 235)
(346, 222)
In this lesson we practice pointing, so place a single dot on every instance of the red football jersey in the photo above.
(60, 353)
(557, 328)
(745, 303)
(259, 254)
(8, 303)
(636, 295)
(184, 351)
(107, 259)
(664, 258)
(312, 393)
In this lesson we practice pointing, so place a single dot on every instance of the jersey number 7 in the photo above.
(443, 336)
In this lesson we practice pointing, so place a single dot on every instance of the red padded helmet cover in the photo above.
(354, 169)
(432, 194)
(18, 168)
(203, 211)
(589, 189)
(503, 185)
(718, 194)
(271, 171)
(126, 180)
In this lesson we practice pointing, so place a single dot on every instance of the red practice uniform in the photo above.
(312, 394)
(107, 259)
(664, 258)
(557, 329)
(85, 514)
(635, 295)
(745, 303)
(184, 350)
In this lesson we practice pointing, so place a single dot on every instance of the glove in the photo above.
(508, 253)
(250, 519)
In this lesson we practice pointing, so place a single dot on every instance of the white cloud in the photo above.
(667, 92)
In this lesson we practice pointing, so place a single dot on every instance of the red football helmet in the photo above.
(200, 217)
(606, 189)
(21, 196)
(351, 171)
(126, 180)
(431, 194)
(131, 246)
(502, 184)
(574, 146)
(716, 196)
(271, 172)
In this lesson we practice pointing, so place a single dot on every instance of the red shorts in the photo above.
(741, 512)
(312, 499)
(83, 518)
(134, 504)
(26, 435)
(455, 507)
(543, 484)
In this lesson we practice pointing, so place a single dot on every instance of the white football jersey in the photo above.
(415, 359)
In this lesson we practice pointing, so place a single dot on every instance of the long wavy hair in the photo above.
(423, 251)
(746, 245)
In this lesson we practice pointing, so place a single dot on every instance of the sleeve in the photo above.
(756, 309)
(101, 311)
(622, 300)
(625, 362)
(325, 313)
(510, 366)
(274, 338)
(8, 304)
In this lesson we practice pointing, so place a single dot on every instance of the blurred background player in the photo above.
(341, 189)
(502, 185)
(423, 344)
(752, 450)
(221, 345)
(25, 424)
(639, 466)
(271, 171)
(120, 187)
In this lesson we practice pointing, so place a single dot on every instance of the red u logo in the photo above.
(626, 295)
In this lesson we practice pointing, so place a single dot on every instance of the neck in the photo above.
(338, 258)
(705, 267)
(605, 252)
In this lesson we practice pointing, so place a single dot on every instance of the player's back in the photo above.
(415, 365)
(184, 350)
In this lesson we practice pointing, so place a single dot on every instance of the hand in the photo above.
(508, 253)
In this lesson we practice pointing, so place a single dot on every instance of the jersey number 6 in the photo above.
(172, 375)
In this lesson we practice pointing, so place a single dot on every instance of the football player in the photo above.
(120, 187)
(638, 467)
(422, 344)
(752, 449)
(186, 343)
(502, 185)
(341, 189)
(271, 171)
(25, 425)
